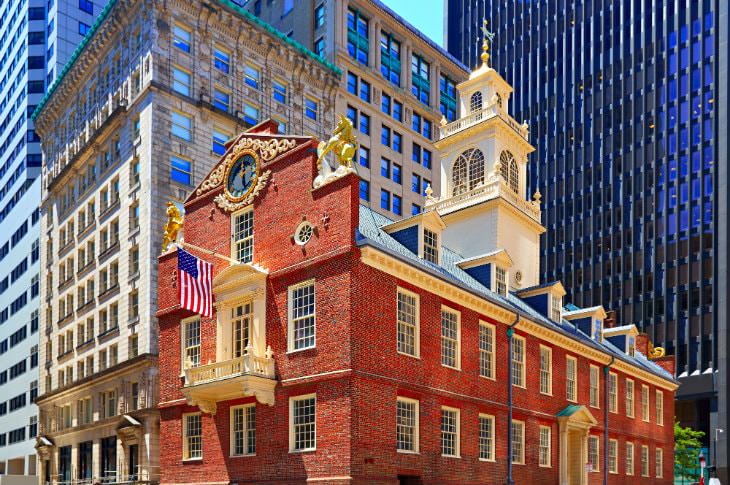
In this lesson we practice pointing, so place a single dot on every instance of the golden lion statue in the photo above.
(342, 143)
(172, 227)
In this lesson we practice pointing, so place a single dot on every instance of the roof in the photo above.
(370, 233)
(420, 34)
(569, 411)
(226, 3)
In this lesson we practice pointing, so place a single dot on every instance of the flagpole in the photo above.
(207, 251)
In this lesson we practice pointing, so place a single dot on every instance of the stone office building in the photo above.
(137, 117)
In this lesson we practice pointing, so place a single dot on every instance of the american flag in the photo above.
(195, 283)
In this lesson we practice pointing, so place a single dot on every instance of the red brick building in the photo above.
(348, 348)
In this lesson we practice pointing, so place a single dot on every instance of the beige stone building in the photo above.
(395, 87)
(138, 116)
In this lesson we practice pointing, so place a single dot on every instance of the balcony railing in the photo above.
(476, 117)
(247, 364)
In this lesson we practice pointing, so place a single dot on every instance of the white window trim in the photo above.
(493, 370)
(416, 429)
(458, 432)
(444, 308)
(234, 241)
(550, 447)
(648, 461)
(659, 412)
(185, 451)
(633, 399)
(292, 437)
(521, 460)
(492, 447)
(231, 444)
(183, 338)
(613, 403)
(549, 391)
(417, 342)
(659, 452)
(597, 467)
(645, 404)
(524, 361)
(594, 368)
(630, 470)
(615, 444)
(290, 316)
(575, 378)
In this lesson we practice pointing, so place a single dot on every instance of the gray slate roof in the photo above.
(370, 233)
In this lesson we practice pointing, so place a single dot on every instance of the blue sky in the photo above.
(426, 15)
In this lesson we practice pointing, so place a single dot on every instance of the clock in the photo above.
(242, 176)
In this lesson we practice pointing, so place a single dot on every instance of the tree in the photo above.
(687, 446)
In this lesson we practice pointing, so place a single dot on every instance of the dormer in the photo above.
(588, 320)
(421, 234)
(623, 337)
(491, 270)
(546, 299)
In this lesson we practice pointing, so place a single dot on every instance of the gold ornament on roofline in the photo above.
(343, 145)
(655, 352)
(172, 227)
(487, 37)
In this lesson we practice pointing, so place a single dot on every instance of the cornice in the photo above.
(457, 138)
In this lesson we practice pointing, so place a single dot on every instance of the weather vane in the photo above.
(487, 37)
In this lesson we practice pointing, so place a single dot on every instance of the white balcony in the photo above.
(491, 111)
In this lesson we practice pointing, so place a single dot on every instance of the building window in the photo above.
(319, 47)
(358, 43)
(365, 190)
(475, 102)
(192, 436)
(408, 323)
(302, 423)
(181, 125)
(660, 408)
(467, 173)
(319, 16)
(243, 236)
(83, 29)
(518, 361)
(509, 170)
(486, 437)
(221, 100)
(311, 109)
(556, 308)
(645, 403)
(302, 316)
(571, 383)
(449, 432)
(486, 350)
(364, 90)
(406, 428)
(384, 199)
(364, 124)
(629, 398)
(250, 114)
(397, 110)
(364, 157)
(447, 97)
(593, 453)
(612, 456)
(243, 430)
(629, 458)
(390, 58)
(222, 60)
(241, 317)
(518, 442)
(181, 37)
(659, 462)
(352, 83)
(421, 78)
(644, 461)
(191, 343)
(279, 91)
(501, 280)
(450, 338)
(181, 81)
(544, 458)
(252, 76)
(287, 7)
(430, 246)
(86, 6)
(595, 383)
(219, 142)
(546, 370)
(181, 170)
(397, 205)
(613, 392)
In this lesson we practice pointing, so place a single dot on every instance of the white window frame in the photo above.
(490, 440)
(556, 308)
(541, 447)
(546, 373)
(187, 130)
(431, 245)
(457, 443)
(245, 240)
(185, 445)
(659, 462)
(596, 467)
(613, 456)
(522, 364)
(244, 408)
(183, 342)
(630, 402)
(613, 392)
(645, 409)
(574, 380)
(521, 458)
(188, 41)
(456, 342)
(417, 323)
(659, 405)
(645, 454)
(487, 353)
(416, 428)
(189, 84)
(500, 285)
(595, 386)
(630, 458)
(292, 431)
(292, 321)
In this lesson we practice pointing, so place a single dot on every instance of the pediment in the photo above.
(577, 415)
(238, 277)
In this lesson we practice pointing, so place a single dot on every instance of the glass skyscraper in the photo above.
(627, 105)
(36, 38)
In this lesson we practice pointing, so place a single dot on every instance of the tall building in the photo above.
(137, 117)
(395, 86)
(630, 124)
(349, 348)
(31, 33)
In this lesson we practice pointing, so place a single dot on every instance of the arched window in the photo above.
(505, 158)
(514, 175)
(476, 102)
(499, 100)
(468, 171)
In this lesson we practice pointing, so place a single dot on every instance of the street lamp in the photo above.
(714, 451)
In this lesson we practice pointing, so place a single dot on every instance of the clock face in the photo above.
(242, 176)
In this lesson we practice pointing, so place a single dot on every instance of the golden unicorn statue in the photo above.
(172, 227)
(342, 143)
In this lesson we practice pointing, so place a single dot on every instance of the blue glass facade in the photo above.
(624, 103)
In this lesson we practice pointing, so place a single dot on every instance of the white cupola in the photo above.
(484, 201)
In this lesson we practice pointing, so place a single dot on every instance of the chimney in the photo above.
(642, 344)
(668, 363)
